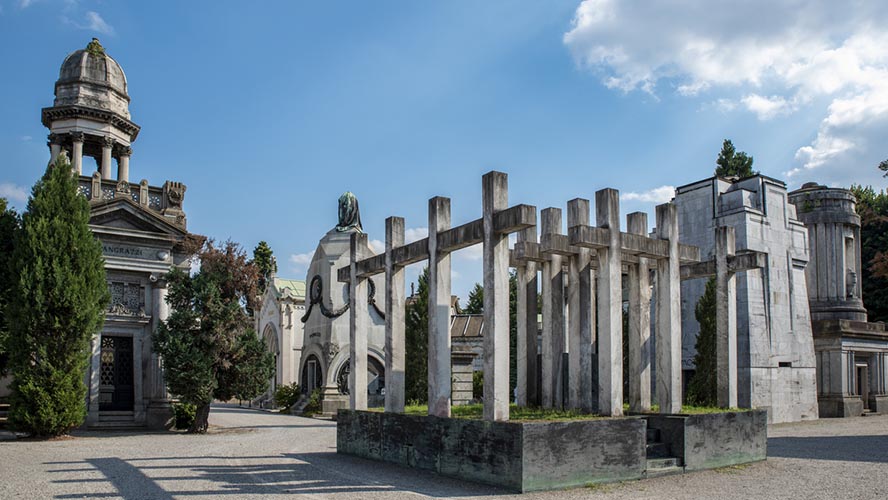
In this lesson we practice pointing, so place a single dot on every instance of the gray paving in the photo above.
(251, 454)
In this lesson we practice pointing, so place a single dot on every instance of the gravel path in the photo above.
(251, 454)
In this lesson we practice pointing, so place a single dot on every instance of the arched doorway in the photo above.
(312, 375)
(375, 381)
(272, 345)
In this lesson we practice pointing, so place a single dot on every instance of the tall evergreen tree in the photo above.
(9, 224)
(209, 347)
(417, 338)
(732, 163)
(872, 207)
(264, 259)
(58, 304)
(475, 300)
(703, 386)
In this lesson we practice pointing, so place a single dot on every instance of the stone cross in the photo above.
(724, 266)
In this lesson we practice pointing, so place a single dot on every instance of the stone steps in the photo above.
(657, 450)
(116, 416)
(657, 467)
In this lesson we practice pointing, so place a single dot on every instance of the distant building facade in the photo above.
(278, 323)
(776, 363)
(852, 354)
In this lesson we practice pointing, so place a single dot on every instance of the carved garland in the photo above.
(315, 295)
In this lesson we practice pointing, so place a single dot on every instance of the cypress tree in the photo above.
(475, 300)
(263, 257)
(58, 304)
(416, 333)
(9, 224)
(702, 388)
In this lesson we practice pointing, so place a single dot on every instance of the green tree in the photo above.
(264, 259)
(702, 388)
(872, 207)
(9, 224)
(475, 301)
(732, 163)
(59, 296)
(883, 166)
(416, 333)
(209, 348)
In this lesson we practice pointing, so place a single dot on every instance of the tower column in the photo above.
(107, 147)
(55, 147)
(123, 163)
(77, 152)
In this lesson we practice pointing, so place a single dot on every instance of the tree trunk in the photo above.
(201, 420)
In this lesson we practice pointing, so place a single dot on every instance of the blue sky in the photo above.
(268, 111)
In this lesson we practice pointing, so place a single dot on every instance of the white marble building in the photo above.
(278, 323)
(776, 364)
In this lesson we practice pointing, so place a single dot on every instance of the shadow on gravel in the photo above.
(312, 473)
(841, 448)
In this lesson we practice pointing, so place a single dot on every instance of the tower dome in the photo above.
(90, 77)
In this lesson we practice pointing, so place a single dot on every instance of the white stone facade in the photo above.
(776, 363)
(278, 323)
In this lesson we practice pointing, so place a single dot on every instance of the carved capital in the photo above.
(108, 142)
(124, 151)
(54, 138)
(76, 136)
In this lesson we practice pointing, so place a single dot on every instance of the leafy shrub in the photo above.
(478, 385)
(184, 415)
(286, 396)
(314, 404)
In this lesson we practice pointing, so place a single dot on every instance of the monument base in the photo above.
(840, 407)
(535, 456)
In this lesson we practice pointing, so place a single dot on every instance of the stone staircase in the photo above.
(116, 420)
(4, 414)
(659, 461)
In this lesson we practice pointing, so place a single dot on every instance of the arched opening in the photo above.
(375, 381)
(311, 374)
(272, 345)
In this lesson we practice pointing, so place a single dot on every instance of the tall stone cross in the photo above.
(724, 266)
(491, 230)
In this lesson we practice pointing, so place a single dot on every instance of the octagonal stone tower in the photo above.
(90, 115)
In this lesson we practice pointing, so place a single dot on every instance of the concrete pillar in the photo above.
(527, 329)
(123, 163)
(495, 197)
(639, 324)
(160, 313)
(107, 147)
(580, 305)
(668, 329)
(439, 310)
(77, 152)
(358, 316)
(553, 317)
(394, 318)
(726, 319)
(610, 302)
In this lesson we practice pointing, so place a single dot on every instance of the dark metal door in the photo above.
(116, 384)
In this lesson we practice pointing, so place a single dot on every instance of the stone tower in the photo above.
(852, 355)
(142, 229)
(90, 115)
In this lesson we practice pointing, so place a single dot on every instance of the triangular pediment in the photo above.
(124, 214)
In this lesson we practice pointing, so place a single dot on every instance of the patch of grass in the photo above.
(694, 410)
(732, 469)
(516, 413)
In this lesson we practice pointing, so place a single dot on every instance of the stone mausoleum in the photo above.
(278, 323)
(776, 367)
(142, 229)
(324, 360)
(852, 354)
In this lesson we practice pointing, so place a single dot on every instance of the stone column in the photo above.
(495, 195)
(527, 329)
(94, 381)
(439, 310)
(610, 306)
(123, 163)
(668, 329)
(55, 147)
(358, 315)
(161, 311)
(726, 319)
(580, 304)
(394, 318)
(77, 152)
(107, 147)
(553, 317)
(639, 324)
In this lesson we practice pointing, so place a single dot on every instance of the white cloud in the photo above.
(661, 194)
(378, 246)
(300, 261)
(415, 234)
(25, 138)
(15, 194)
(24, 4)
(94, 22)
(778, 56)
